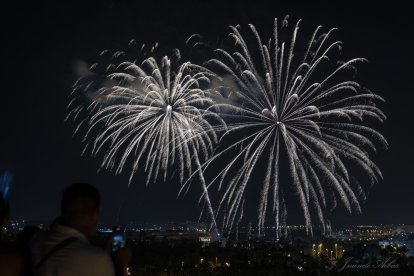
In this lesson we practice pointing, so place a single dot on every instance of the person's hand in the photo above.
(121, 259)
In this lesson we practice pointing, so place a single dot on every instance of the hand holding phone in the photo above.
(118, 237)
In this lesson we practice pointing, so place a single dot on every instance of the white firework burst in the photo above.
(293, 109)
(149, 116)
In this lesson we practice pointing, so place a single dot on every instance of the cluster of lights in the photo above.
(202, 260)
(336, 253)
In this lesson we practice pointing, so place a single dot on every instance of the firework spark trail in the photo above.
(284, 104)
(153, 115)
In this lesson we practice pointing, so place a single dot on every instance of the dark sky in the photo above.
(41, 42)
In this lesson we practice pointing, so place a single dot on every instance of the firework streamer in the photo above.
(6, 181)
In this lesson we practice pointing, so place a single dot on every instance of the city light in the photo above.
(329, 248)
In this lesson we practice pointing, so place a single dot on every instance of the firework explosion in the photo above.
(152, 115)
(289, 106)
(291, 109)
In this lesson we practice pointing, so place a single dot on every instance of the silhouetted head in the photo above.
(80, 208)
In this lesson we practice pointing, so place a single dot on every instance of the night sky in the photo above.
(41, 43)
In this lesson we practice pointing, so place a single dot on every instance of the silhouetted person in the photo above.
(11, 257)
(65, 250)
